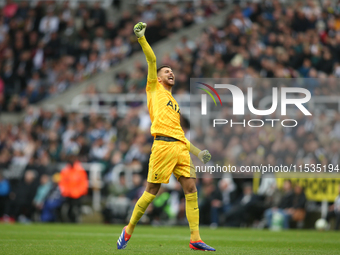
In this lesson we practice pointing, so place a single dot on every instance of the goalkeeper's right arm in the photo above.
(139, 30)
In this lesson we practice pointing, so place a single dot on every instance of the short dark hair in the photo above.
(161, 67)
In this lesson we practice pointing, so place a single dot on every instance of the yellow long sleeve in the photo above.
(193, 149)
(150, 58)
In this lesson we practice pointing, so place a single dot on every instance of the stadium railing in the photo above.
(103, 103)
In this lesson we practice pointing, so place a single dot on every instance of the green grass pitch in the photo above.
(101, 239)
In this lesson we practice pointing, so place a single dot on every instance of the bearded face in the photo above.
(166, 76)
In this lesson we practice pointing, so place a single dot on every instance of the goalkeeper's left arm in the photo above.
(204, 155)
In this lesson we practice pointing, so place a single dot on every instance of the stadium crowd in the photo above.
(49, 47)
(122, 145)
(261, 40)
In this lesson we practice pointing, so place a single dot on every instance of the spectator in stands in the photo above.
(226, 186)
(10, 9)
(4, 194)
(210, 202)
(98, 15)
(291, 206)
(118, 203)
(21, 198)
(136, 185)
(120, 188)
(284, 204)
(241, 211)
(42, 192)
(73, 184)
(297, 211)
(49, 24)
(334, 212)
(51, 210)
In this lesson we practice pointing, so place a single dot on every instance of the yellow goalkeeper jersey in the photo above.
(163, 108)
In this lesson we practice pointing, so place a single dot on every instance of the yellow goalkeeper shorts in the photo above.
(167, 158)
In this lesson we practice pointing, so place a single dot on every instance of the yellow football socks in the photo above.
(192, 213)
(140, 207)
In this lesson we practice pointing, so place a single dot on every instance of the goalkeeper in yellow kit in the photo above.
(170, 150)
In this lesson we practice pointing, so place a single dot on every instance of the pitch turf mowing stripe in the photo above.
(101, 239)
(275, 236)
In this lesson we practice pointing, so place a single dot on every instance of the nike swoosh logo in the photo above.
(196, 208)
(140, 206)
